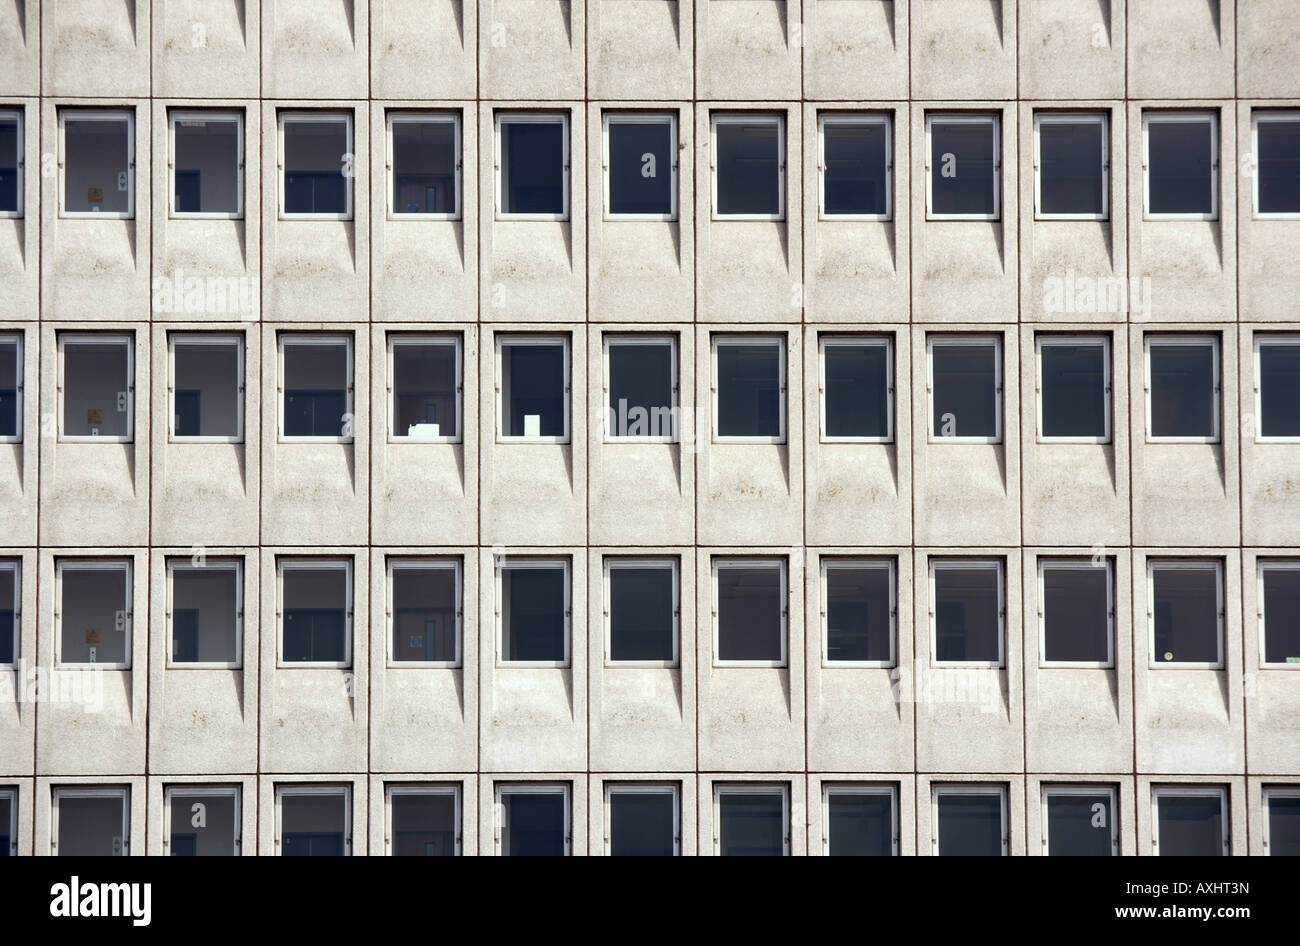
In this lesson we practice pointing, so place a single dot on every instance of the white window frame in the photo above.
(185, 115)
(1084, 788)
(534, 118)
(1072, 118)
(748, 118)
(1262, 565)
(120, 792)
(1258, 116)
(672, 789)
(1161, 338)
(857, 341)
(831, 563)
(1048, 340)
(504, 339)
(123, 565)
(398, 563)
(1269, 792)
(199, 339)
(943, 339)
(884, 119)
(502, 789)
(15, 565)
(297, 116)
(1281, 339)
(395, 789)
(1045, 563)
(454, 341)
(20, 162)
(937, 790)
(401, 117)
(202, 791)
(1184, 564)
(1191, 791)
(306, 562)
(321, 339)
(670, 563)
(1181, 116)
(20, 382)
(763, 563)
(740, 340)
(214, 564)
(97, 115)
(82, 338)
(641, 118)
(993, 119)
(530, 562)
(647, 340)
(11, 795)
(859, 788)
(957, 563)
(752, 788)
(301, 789)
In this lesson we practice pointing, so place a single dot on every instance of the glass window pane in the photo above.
(1279, 166)
(1076, 615)
(641, 389)
(1186, 615)
(202, 825)
(967, 621)
(1284, 825)
(642, 824)
(962, 168)
(205, 625)
(1279, 390)
(970, 825)
(751, 623)
(7, 838)
(858, 613)
(532, 390)
(856, 157)
(749, 390)
(641, 155)
(751, 824)
(96, 388)
(857, 390)
(1079, 824)
(1180, 176)
(424, 825)
(1183, 400)
(424, 167)
(1190, 826)
(206, 396)
(92, 619)
(532, 167)
(315, 389)
(965, 381)
(748, 171)
(424, 613)
(533, 613)
(91, 826)
(860, 824)
(1282, 615)
(1074, 385)
(1070, 168)
(313, 825)
(8, 612)
(642, 623)
(315, 155)
(534, 824)
(10, 155)
(10, 375)
(425, 393)
(96, 165)
(206, 165)
(315, 613)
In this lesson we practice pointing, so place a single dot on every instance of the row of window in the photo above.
(859, 819)
(964, 380)
(750, 607)
(317, 164)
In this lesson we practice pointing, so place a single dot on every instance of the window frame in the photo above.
(938, 789)
(453, 340)
(1262, 565)
(209, 339)
(1083, 788)
(20, 162)
(1181, 116)
(1046, 562)
(215, 115)
(90, 790)
(964, 118)
(830, 563)
(862, 340)
(670, 562)
(322, 339)
(1258, 116)
(18, 337)
(127, 340)
(889, 789)
(502, 789)
(9, 793)
(345, 117)
(82, 563)
(1187, 341)
(533, 562)
(404, 117)
(1191, 790)
(753, 788)
(1268, 792)
(15, 565)
(777, 118)
(755, 563)
(960, 563)
(307, 790)
(750, 340)
(514, 116)
(201, 791)
(395, 563)
(943, 339)
(833, 117)
(1281, 339)
(314, 563)
(616, 787)
(1103, 341)
(669, 118)
(646, 339)
(504, 339)
(91, 115)
(1101, 118)
(1153, 564)
(453, 789)
(236, 565)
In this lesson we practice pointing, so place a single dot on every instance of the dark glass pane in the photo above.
(641, 619)
(857, 390)
(1074, 390)
(424, 390)
(424, 825)
(8, 608)
(532, 613)
(1282, 615)
(313, 825)
(860, 825)
(91, 826)
(1190, 826)
(534, 825)
(96, 386)
(858, 613)
(1180, 167)
(962, 170)
(968, 625)
(10, 154)
(1186, 614)
(9, 381)
(970, 825)
(206, 166)
(641, 824)
(207, 392)
(532, 168)
(1279, 390)
(315, 157)
(748, 168)
(965, 381)
(750, 620)
(856, 158)
(93, 616)
(1279, 166)
(424, 613)
(204, 614)
(315, 389)
(532, 391)
(202, 825)
(1184, 402)
(1284, 825)
(96, 165)
(6, 825)
(749, 390)
(751, 825)
(1079, 825)
(1075, 614)
(640, 167)
(424, 167)
(641, 390)
(1070, 170)
(315, 613)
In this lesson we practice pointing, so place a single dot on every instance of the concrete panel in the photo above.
(206, 48)
(963, 49)
(1181, 50)
(94, 48)
(641, 50)
(315, 50)
(532, 49)
(855, 49)
(424, 50)
(1072, 49)
(748, 49)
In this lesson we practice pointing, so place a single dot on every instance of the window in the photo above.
(1277, 175)
(1079, 821)
(93, 613)
(207, 164)
(315, 612)
(1190, 821)
(533, 611)
(91, 822)
(1076, 601)
(641, 388)
(966, 388)
(98, 163)
(1181, 160)
(859, 612)
(317, 165)
(427, 387)
(857, 388)
(856, 166)
(642, 820)
(749, 388)
(206, 612)
(1279, 613)
(970, 821)
(750, 613)
(967, 613)
(11, 163)
(424, 154)
(202, 821)
(207, 387)
(643, 611)
(316, 388)
(534, 821)
(11, 388)
(751, 820)
(1183, 388)
(1277, 391)
(314, 820)
(533, 388)
(8, 822)
(640, 166)
(425, 611)
(1074, 388)
(860, 820)
(97, 387)
(1072, 165)
(1185, 610)
(963, 167)
(1282, 820)
(748, 167)
(532, 166)
(11, 611)
(423, 821)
